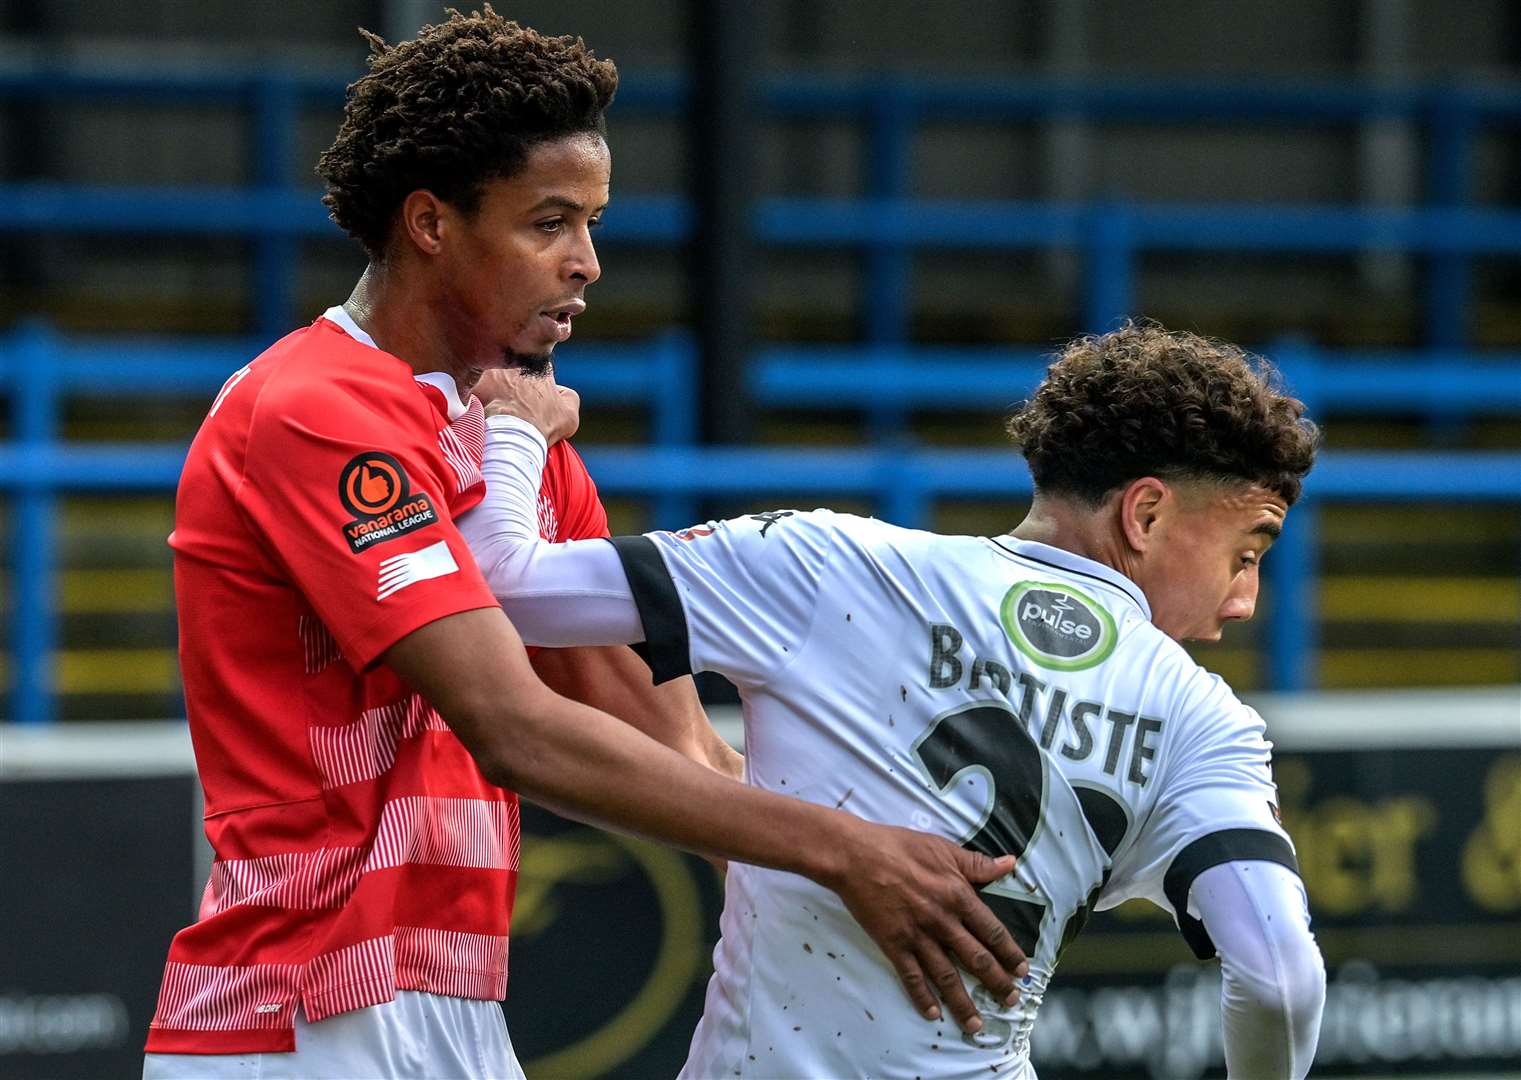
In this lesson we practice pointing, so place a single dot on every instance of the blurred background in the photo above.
(843, 237)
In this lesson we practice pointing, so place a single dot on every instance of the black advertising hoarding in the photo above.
(612, 942)
(1412, 857)
(96, 875)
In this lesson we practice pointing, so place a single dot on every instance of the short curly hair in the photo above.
(1145, 401)
(456, 107)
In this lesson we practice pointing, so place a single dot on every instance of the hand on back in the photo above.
(915, 895)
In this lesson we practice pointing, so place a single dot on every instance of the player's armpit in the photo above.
(615, 680)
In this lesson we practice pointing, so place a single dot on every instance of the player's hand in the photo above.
(554, 409)
(915, 895)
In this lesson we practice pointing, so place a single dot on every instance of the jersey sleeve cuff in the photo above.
(667, 646)
(1212, 849)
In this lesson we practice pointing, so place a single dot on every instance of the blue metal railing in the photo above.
(886, 382)
(901, 484)
(40, 370)
(885, 222)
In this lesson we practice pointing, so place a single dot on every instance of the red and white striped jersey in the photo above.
(359, 850)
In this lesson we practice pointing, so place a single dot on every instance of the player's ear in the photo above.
(1142, 506)
(422, 217)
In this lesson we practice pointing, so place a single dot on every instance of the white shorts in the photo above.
(416, 1036)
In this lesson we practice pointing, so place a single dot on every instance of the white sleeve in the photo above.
(1273, 981)
(1217, 804)
(555, 594)
(737, 597)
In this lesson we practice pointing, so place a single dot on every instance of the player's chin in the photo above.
(1206, 632)
(536, 362)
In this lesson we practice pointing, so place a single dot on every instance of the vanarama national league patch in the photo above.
(1057, 626)
(374, 488)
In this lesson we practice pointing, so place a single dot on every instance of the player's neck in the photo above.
(403, 321)
(1078, 529)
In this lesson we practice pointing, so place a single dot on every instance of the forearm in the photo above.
(613, 777)
(1272, 977)
(585, 764)
(558, 595)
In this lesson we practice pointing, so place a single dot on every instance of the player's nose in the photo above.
(583, 264)
(1241, 604)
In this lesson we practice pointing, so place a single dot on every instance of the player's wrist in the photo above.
(837, 850)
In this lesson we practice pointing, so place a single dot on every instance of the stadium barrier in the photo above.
(275, 211)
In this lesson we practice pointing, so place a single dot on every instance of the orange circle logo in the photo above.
(372, 483)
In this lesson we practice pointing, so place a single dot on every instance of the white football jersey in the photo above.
(1007, 695)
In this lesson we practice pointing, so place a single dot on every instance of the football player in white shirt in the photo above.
(1023, 694)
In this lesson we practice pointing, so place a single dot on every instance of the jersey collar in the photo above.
(440, 381)
(1074, 563)
(340, 316)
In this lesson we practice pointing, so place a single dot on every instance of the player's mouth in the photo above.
(558, 318)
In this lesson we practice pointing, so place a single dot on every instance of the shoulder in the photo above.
(564, 467)
(322, 379)
(764, 542)
(824, 530)
(1210, 724)
(873, 536)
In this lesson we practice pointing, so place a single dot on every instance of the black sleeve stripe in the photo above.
(666, 647)
(1228, 845)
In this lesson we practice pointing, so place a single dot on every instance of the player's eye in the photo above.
(553, 225)
(594, 223)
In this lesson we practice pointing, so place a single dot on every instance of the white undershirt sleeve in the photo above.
(1273, 982)
(556, 595)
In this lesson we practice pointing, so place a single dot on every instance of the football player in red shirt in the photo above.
(363, 712)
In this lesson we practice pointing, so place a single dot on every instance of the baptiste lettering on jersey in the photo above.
(948, 669)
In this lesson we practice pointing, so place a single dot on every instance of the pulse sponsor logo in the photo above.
(1057, 626)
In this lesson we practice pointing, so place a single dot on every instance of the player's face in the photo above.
(1204, 571)
(519, 266)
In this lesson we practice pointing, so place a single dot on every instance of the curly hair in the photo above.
(1144, 401)
(458, 106)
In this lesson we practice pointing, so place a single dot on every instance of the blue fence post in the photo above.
(33, 615)
(1293, 630)
(901, 495)
(1292, 566)
(675, 420)
(1451, 139)
(272, 146)
(1109, 267)
(888, 305)
(889, 172)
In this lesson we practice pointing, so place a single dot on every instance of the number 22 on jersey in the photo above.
(1063, 834)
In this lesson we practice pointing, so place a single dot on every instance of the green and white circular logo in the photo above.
(1057, 626)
